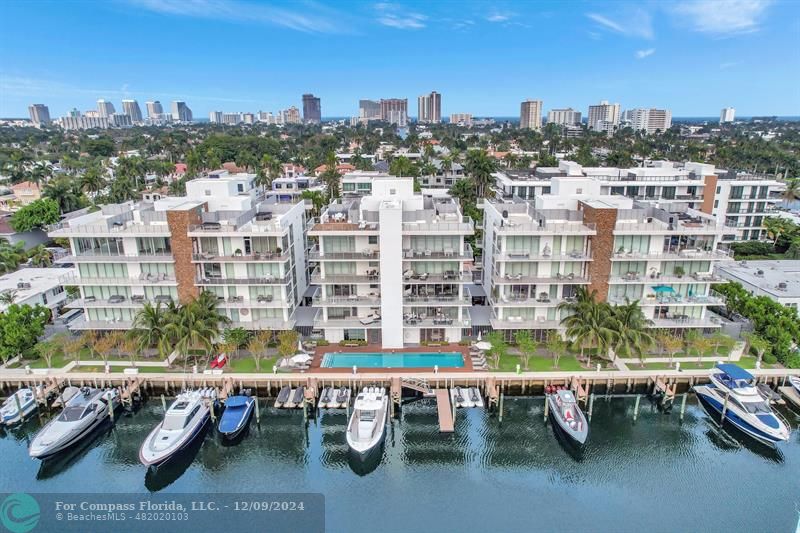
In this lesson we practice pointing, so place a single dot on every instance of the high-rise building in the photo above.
(181, 111)
(461, 119)
(395, 111)
(85, 122)
(40, 114)
(231, 119)
(266, 117)
(290, 116)
(727, 114)
(312, 109)
(120, 120)
(604, 116)
(131, 108)
(215, 117)
(154, 109)
(369, 110)
(74, 112)
(105, 109)
(530, 115)
(248, 118)
(429, 108)
(564, 117)
(649, 120)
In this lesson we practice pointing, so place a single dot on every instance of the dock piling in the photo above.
(258, 413)
(546, 408)
(636, 407)
(591, 405)
(502, 396)
(683, 403)
(164, 403)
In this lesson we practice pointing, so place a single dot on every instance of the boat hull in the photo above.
(71, 439)
(715, 405)
(12, 415)
(166, 455)
(364, 449)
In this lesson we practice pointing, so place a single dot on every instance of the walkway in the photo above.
(735, 355)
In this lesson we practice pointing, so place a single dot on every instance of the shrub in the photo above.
(770, 359)
(748, 248)
(322, 342)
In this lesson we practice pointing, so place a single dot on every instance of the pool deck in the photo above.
(320, 351)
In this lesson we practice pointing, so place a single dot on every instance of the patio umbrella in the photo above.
(479, 336)
(662, 288)
(483, 345)
(299, 345)
(301, 358)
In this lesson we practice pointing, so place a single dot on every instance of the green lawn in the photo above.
(246, 364)
(748, 362)
(58, 361)
(538, 364)
(119, 369)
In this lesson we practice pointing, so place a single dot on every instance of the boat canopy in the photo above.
(566, 396)
(735, 372)
(236, 401)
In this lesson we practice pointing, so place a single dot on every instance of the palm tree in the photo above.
(7, 297)
(331, 176)
(150, 329)
(403, 167)
(588, 322)
(92, 180)
(792, 191)
(11, 255)
(631, 334)
(66, 192)
(480, 167)
(758, 344)
(318, 201)
(269, 169)
(775, 226)
(40, 256)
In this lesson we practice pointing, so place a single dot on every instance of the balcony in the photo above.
(558, 279)
(447, 254)
(688, 254)
(448, 276)
(463, 227)
(528, 256)
(261, 302)
(518, 322)
(262, 257)
(354, 300)
(683, 321)
(105, 258)
(269, 280)
(434, 298)
(317, 227)
(81, 324)
(368, 254)
(250, 227)
(128, 229)
(144, 279)
(658, 227)
(665, 299)
(367, 321)
(437, 321)
(264, 324)
(371, 277)
(659, 279)
(547, 228)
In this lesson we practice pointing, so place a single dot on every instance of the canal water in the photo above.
(655, 474)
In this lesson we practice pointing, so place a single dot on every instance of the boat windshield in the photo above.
(174, 421)
(756, 408)
(73, 413)
(367, 416)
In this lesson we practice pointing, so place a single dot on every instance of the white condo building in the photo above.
(221, 238)
(530, 115)
(390, 267)
(603, 117)
(650, 120)
(564, 117)
(728, 114)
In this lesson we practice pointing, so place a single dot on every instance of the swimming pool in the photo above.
(393, 360)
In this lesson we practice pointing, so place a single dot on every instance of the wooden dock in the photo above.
(445, 411)
(790, 394)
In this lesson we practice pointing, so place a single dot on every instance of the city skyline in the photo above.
(645, 56)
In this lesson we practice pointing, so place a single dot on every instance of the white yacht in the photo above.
(18, 407)
(81, 414)
(183, 421)
(733, 391)
(368, 422)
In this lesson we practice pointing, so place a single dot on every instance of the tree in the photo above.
(479, 167)
(318, 201)
(11, 255)
(792, 190)
(89, 340)
(499, 348)
(758, 344)
(556, 346)
(40, 256)
(701, 344)
(35, 215)
(106, 345)
(257, 346)
(269, 169)
(287, 342)
(66, 192)
(526, 345)
(8, 296)
(92, 180)
(631, 335)
(671, 344)
(150, 329)
(330, 176)
(588, 322)
(73, 347)
(235, 338)
(20, 328)
(47, 350)
(403, 167)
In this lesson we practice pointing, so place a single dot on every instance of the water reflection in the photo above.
(61, 461)
(159, 477)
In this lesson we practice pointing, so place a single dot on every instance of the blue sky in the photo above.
(691, 56)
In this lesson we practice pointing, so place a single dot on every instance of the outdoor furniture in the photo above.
(116, 299)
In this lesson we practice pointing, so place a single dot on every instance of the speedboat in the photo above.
(81, 414)
(183, 421)
(65, 396)
(238, 410)
(733, 395)
(794, 381)
(568, 416)
(367, 424)
(18, 407)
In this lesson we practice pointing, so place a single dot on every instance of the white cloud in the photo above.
(634, 23)
(728, 64)
(723, 17)
(308, 17)
(395, 16)
(499, 16)
(641, 54)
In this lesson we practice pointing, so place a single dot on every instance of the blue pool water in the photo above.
(392, 360)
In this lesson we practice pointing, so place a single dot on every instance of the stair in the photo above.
(417, 384)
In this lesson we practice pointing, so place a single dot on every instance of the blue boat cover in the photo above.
(237, 401)
(735, 371)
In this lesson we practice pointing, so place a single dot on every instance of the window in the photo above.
(719, 189)
(240, 187)
(278, 186)
(208, 192)
(716, 204)
(373, 239)
(392, 191)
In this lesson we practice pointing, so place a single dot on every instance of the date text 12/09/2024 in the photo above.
(184, 512)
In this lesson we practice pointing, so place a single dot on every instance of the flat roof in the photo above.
(766, 275)
(40, 280)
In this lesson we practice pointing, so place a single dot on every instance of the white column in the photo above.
(391, 261)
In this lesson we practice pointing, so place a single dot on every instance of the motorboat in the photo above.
(183, 422)
(733, 395)
(367, 425)
(342, 398)
(567, 415)
(236, 415)
(794, 381)
(283, 396)
(18, 407)
(81, 414)
(65, 396)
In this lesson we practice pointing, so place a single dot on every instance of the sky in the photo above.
(691, 56)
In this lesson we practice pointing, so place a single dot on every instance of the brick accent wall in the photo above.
(709, 193)
(602, 246)
(179, 222)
